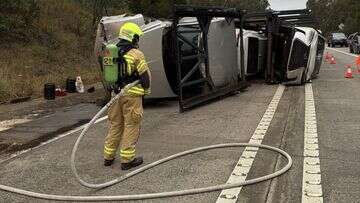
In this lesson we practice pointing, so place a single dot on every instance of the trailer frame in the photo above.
(204, 15)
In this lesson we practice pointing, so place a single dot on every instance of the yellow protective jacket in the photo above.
(135, 60)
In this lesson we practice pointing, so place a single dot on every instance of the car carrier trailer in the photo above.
(203, 53)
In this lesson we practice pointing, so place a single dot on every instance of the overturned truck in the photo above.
(205, 52)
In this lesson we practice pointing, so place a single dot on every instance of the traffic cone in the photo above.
(327, 56)
(348, 72)
(358, 61)
(332, 60)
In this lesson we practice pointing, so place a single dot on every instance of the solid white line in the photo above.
(311, 185)
(51, 140)
(246, 160)
(353, 55)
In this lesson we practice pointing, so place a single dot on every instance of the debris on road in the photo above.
(49, 91)
(91, 89)
(79, 85)
(59, 92)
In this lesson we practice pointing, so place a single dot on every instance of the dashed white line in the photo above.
(354, 55)
(51, 140)
(311, 185)
(246, 160)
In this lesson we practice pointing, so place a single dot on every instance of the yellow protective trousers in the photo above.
(124, 118)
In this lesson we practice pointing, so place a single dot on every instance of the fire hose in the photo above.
(146, 167)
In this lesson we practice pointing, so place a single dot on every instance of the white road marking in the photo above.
(8, 124)
(51, 140)
(354, 55)
(246, 160)
(311, 185)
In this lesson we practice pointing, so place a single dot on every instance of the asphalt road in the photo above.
(234, 119)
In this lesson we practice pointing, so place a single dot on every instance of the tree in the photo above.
(16, 19)
(331, 13)
(163, 8)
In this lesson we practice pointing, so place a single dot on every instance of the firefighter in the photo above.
(126, 113)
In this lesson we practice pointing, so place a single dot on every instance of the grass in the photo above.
(25, 69)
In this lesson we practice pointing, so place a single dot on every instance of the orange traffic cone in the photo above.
(358, 61)
(348, 72)
(327, 56)
(332, 60)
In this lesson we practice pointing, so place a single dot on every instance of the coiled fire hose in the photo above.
(146, 167)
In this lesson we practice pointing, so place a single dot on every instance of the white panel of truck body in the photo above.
(151, 45)
(223, 61)
(110, 26)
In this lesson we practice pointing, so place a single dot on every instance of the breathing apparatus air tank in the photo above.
(110, 65)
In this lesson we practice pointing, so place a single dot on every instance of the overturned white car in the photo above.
(279, 46)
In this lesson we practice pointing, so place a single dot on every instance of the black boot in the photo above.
(108, 162)
(136, 162)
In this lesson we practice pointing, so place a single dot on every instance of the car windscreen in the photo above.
(299, 55)
(339, 36)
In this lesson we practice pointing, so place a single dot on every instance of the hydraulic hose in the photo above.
(146, 167)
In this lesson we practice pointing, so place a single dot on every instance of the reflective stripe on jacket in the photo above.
(136, 63)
